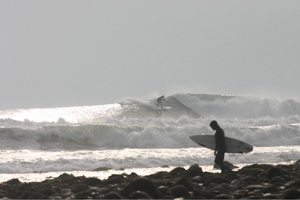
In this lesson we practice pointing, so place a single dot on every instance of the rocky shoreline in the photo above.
(257, 181)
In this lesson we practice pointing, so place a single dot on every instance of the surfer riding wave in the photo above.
(159, 100)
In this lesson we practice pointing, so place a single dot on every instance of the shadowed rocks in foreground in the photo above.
(254, 181)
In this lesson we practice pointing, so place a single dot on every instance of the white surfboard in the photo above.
(162, 108)
(232, 145)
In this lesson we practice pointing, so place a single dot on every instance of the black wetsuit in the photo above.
(220, 148)
(159, 101)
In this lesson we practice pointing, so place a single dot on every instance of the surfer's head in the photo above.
(214, 125)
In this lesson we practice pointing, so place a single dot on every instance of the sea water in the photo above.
(137, 136)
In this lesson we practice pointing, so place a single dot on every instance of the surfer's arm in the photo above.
(216, 148)
(218, 140)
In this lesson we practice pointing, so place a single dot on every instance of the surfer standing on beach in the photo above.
(220, 145)
(159, 100)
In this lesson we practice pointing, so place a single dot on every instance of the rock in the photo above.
(264, 167)
(112, 195)
(168, 196)
(13, 195)
(239, 182)
(290, 194)
(293, 183)
(239, 193)
(273, 172)
(115, 179)
(7, 188)
(103, 190)
(270, 189)
(2, 193)
(203, 194)
(92, 181)
(178, 171)
(277, 180)
(158, 175)
(159, 182)
(13, 181)
(270, 196)
(255, 169)
(254, 196)
(219, 189)
(25, 195)
(255, 187)
(141, 184)
(37, 196)
(163, 189)
(79, 188)
(193, 171)
(217, 180)
(231, 176)
(224, 196)
(297, 164)
(183, 181)
(55, 196)
(179, 191)
(47, 191)
(24, 186)
(250, 171)
(84, 195)
(227, 164)
(64, 193)
(132, 176)
(65, 176)
(139, 195)
(251, 180)
(197, 179)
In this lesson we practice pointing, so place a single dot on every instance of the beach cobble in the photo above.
(257, 181)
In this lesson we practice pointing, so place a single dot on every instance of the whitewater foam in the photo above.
(134, 124)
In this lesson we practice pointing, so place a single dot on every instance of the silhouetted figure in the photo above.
(159, 100)
(220, 145)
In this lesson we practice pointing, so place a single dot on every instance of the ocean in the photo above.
(135, 135)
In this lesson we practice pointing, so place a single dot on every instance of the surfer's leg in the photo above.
(219, 160)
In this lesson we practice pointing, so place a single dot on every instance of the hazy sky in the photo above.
(70, 53)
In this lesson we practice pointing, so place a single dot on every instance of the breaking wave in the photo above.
(133, 123)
